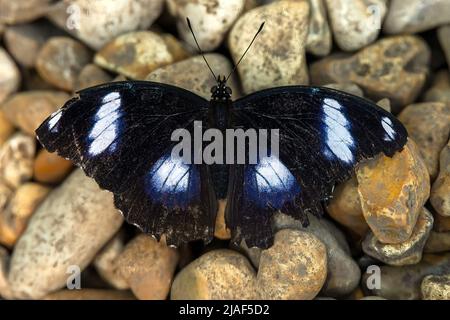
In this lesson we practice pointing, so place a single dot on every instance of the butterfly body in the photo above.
(120, 134)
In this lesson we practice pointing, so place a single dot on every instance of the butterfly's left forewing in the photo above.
(120, 134)
(323, 134)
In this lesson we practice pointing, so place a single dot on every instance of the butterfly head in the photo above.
(221, 91)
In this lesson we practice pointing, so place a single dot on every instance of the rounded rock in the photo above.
(6, 128)
(9, 77)
(98, 22)
(60, 60)
(355, 23)
(78, 218)
(278, 55)
(392, 192)
(28, 109)
(440, 199)
(148, 267)
(436, 287)
(428, 124)
(50, 168)
(440, 90)
(90, 76)
(318, 41)
(15, 12)
(136, 54)
(416, 15)
(218, 275)
(210, 19)
(405, 253)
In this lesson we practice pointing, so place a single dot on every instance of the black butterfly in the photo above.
(120, 134)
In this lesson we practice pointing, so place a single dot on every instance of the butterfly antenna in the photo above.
(245, 52)
(200, 49)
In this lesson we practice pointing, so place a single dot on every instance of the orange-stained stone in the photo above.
(51, 168)
(392, 193)
(221, 231)
(6, 128)
(345, 207)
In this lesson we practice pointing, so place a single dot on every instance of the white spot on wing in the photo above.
(339, 139)
(271, 173)
(388, 128)
(171, 175)
(56, 116)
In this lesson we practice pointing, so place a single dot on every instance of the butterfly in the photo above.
(120, 134)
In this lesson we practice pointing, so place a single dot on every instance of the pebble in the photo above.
(86, 19)
(392, 193)
(343, 272)
(136, 54)
(221, 231)
(416, 15)
(105, 262)
(6, 128)
(90, 294)
(393, 67)
(50, 168)
(28, 109)
(90, 76)
(16, 160)
(5, 194)
(193, 74)
(437, 242)
(294, 268)
(60, 60)
(405, 253)
(436, 287)
(14, 218)
(5, 290)
(428, 124)
(64, 231)
(403, 283)
(440, 90)
(25, 40)
(15, 12)
(345, 207)
(210, 19)
(346, 87)
(318, 41)
(148, 267)
(440, 191)
(355, 23)
(444, 40)
(277, 57)
(216, 275)
(9, 77)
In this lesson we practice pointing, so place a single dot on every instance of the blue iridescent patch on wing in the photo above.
(173, 183)
(270, 182)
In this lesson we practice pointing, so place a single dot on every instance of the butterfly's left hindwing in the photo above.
(323, 134)
(120, 134)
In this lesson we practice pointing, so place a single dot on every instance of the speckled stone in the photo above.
(428, 124)
(60, 60)
(78, 219)
(218, 275)
(16, 160)
(277, 57)
(193, 74)
(404, 283)
(294, 268)
(416, 15)
(405, 253)
(9, 77)
(28, 109)
(98, 22)
(136, 54)
(210, 19)
(440, 191)
(23, 203)
(148, 267)
(355, 23)
(393, 67)
(392, 193)
(343, 274)
(436, 287)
